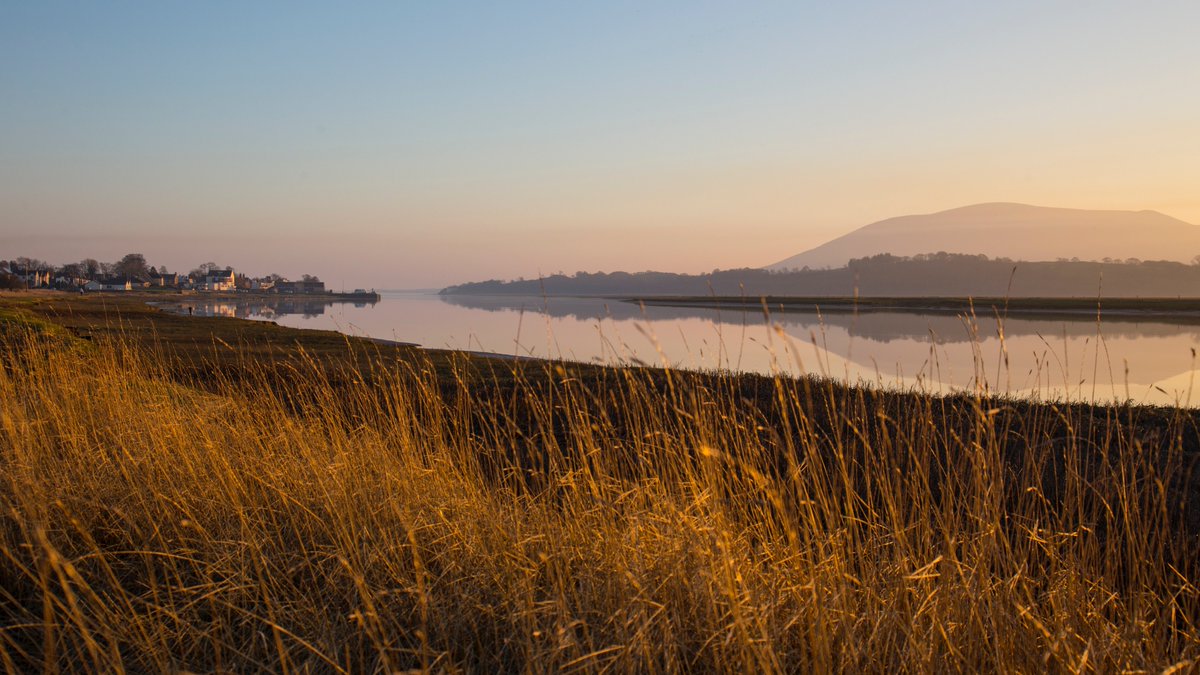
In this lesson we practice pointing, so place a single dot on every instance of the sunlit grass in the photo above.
(538, 519)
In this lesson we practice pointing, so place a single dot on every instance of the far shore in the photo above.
(1183, 310)
(172, 294)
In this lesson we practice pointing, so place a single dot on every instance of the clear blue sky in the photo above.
(406, 144)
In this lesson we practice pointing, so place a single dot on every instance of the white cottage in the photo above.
(220, 280)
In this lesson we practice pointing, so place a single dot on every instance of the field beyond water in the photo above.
(183, 493)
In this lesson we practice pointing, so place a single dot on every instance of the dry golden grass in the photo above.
(633, 522)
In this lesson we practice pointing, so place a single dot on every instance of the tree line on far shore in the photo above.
(884, 275)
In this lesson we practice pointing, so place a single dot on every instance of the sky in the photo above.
(413, 145)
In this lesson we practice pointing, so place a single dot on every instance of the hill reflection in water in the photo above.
(876, 325)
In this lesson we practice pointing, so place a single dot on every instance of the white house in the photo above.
(66, 281)
(220, 280)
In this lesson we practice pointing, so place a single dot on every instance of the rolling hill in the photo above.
(1016, 231)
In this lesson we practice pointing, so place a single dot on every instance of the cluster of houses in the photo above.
(214, 281)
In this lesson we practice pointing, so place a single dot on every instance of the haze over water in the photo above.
(1048, 358)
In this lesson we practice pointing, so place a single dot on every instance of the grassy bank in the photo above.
(212, 494)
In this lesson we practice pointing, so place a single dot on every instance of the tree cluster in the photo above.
(132, 266)
(884, 275)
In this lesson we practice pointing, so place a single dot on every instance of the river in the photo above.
(1075, 358)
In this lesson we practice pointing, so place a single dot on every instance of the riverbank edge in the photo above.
(1176, 310)
(333, 296)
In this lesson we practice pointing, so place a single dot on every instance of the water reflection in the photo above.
(1044, 356)
(266, 308)
(876, 325)
(1038, 356)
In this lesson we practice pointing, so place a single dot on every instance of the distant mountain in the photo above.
(1016, 231)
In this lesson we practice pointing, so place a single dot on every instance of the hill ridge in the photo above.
(1013, 230)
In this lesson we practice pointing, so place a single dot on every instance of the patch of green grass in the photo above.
(16, 322)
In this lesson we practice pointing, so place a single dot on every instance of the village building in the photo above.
(164, 280)
(109, 284)
(220, 280)
(32, 278)
(304, 287)
(70, 282)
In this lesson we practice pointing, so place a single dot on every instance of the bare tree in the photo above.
(30, 264)
(204, 268)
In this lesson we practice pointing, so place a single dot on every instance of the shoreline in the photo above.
(1176, 310)
(193, 332)
(947, 306)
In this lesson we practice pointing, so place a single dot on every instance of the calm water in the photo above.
(1147, 361)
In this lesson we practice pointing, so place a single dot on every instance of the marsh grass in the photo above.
(489, 515)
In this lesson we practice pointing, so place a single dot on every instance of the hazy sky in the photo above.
(404, 144)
